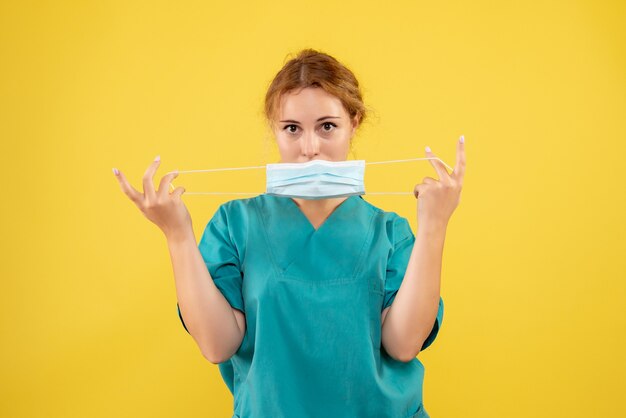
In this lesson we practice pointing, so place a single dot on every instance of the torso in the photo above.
(318, 210)
(314, 284)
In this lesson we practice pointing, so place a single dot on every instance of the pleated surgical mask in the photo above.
(315, 179)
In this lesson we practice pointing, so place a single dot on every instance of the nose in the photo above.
(310, 145)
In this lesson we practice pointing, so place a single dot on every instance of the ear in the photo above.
(355, 124)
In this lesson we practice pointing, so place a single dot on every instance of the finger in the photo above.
(439, 167)
(459, 169)
(416, 191)
(148, 185)
(429, 180)
(129, 190)
(165, 183)
(177, 193)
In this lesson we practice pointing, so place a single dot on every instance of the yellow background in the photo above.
(534, 268)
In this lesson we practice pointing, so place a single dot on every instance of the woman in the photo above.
(289, 295)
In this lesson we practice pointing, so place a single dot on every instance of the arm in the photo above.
(412, 315)
(408, 321)
(217, 328)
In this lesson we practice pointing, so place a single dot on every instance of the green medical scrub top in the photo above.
(313, 301)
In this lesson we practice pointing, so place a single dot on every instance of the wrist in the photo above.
(433, 226)
(180, 236)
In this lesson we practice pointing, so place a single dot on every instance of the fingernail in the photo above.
(462, 139)
(427, 148)
(157, 158)
(115, 171)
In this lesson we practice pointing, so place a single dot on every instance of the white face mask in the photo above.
(316, 179)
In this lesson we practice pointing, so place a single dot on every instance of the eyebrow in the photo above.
(320, 119)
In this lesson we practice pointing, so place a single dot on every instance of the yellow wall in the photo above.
(534, 268)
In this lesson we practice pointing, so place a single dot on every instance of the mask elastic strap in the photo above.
(262, 166)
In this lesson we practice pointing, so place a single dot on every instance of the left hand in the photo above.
(437, 199)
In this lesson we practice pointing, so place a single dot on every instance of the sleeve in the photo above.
(396, 268)
(438, 321)
(181, 318)
(221, 257)
(398, 260)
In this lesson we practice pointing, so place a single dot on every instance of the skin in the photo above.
(411, 316)
(301, 136)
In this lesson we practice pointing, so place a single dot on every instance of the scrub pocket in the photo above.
(322, 326)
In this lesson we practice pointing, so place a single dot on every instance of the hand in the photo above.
(164, 209)
(437, 199)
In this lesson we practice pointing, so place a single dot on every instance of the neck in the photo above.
(319, 204)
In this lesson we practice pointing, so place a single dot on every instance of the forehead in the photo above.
(309, 104)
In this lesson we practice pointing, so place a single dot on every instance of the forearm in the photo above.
(207, 314)
(412, 315)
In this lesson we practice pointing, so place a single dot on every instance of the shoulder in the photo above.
(231, 222)
(236, 208)
(395, 226)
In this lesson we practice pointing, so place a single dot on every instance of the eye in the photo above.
(329, 123)
(289, 130)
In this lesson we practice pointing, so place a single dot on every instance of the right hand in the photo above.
(164, 209)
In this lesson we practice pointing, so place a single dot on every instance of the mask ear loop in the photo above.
(262, 166)
(411, 159)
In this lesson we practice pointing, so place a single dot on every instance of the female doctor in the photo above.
(311, 307)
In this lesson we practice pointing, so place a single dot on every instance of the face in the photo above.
(313, 125)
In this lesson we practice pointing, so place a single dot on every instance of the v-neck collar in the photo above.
(338, 209)
(296, 248)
